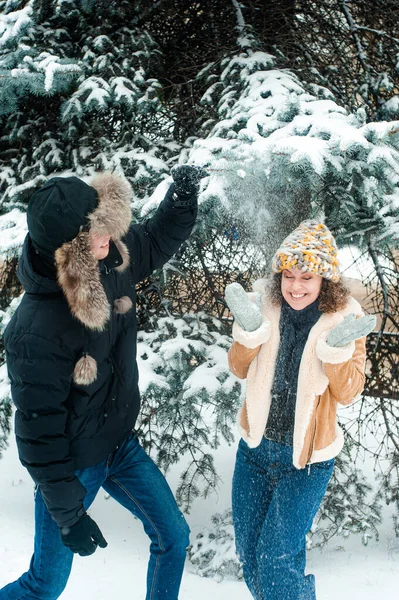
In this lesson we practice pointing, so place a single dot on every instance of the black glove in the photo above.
(187, 179)
(83, 537)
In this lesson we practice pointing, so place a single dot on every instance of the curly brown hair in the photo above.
(332, 297)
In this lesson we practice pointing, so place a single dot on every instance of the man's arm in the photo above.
(41, 374)
(153, 243)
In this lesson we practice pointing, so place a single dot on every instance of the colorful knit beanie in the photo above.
(311, 247)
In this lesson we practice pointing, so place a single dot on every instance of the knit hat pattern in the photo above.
(311, 248)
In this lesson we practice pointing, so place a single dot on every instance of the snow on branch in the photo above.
(277, 145)
(13, 229)
(12, 24)
(360, 50)
(240, 17)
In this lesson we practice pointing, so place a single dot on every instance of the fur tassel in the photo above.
(122, 305)
(85, 371)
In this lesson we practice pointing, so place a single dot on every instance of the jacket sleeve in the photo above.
(246, 346)
(240, 358)
(154, 242)
(345, 369)
(40, 373)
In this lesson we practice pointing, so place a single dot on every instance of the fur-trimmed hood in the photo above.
(78, 271)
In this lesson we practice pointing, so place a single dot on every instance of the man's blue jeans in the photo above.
(132, 478)
(274, 505)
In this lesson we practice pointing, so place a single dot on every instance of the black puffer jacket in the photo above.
(61, 426)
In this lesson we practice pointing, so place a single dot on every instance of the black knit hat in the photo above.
(57, 212)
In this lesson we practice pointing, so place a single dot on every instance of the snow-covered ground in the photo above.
(345, 569)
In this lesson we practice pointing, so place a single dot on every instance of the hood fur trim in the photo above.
(113, 214)
(124, 252)
(79, 277)
(77, 269)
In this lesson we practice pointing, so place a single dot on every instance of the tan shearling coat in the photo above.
(327, 376)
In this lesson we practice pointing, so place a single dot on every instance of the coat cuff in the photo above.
(252, 339)
(334, 355)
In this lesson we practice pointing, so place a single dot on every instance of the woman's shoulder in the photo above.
(352, 306)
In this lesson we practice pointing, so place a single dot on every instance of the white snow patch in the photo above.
(13, 229)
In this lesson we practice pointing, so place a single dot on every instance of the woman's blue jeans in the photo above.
(132, 479)
(274, 505)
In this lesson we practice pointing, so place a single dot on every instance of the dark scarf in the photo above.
(295, 326)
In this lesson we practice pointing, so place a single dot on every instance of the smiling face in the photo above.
(99, 245)
(300, 288)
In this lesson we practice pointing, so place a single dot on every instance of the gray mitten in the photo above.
(351, 329)
(247, 314)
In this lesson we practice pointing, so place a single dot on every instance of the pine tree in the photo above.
(87, 86)
(190, 399)
(12, 233)
(79, 93)
(348, 47)
(213, 551)
(291, 154)
(349, 507)
(266, 130)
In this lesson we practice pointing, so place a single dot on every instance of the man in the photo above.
(71, 356)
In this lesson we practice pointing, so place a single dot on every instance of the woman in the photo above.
(300, 363)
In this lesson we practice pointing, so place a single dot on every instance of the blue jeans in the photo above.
(274, 505)
(132, 479)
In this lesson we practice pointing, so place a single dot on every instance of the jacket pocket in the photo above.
(326, 465)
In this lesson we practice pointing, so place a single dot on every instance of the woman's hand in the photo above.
(247, 314)
(351, 329)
